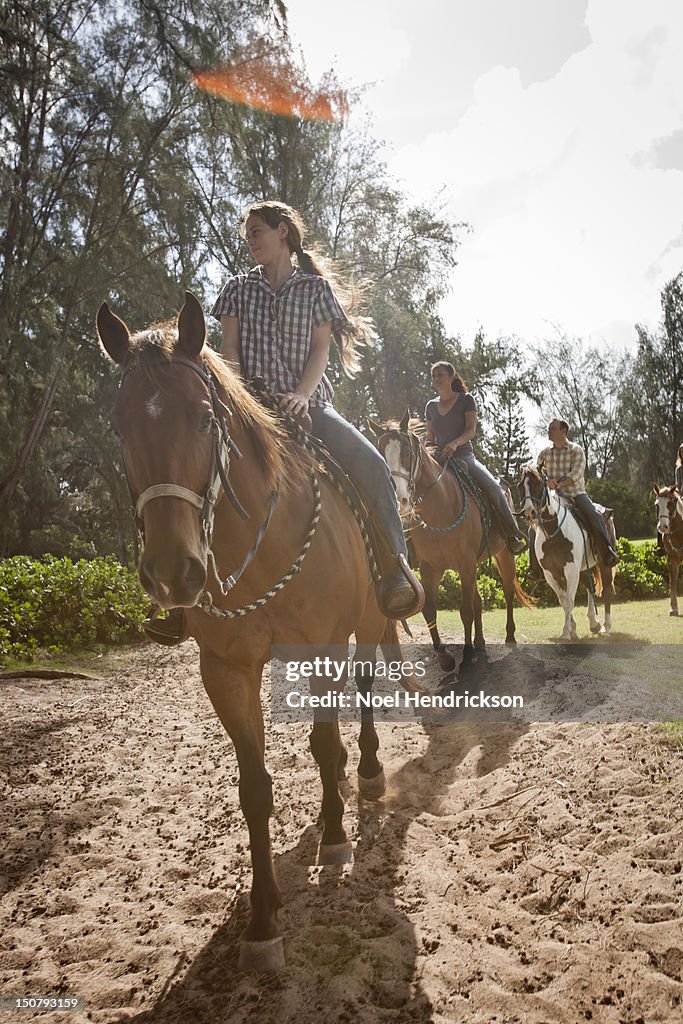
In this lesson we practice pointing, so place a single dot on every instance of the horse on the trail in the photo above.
(669, 508)
(221, 493)
(564, 551)
(444, 524)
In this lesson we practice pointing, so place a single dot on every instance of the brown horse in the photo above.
(669, 508)
(217, 482)
(444, 526)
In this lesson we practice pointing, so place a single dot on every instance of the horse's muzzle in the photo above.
(173, 585)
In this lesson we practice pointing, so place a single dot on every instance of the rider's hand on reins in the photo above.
(294, 403)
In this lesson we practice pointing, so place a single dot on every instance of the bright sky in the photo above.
(556, 127)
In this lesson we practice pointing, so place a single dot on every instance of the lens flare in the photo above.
(256, 84)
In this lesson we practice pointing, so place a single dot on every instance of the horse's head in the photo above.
(668, 504)
(400, 449)
(165, 416)
(534, 490)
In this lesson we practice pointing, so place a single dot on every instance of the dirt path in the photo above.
(512, 874)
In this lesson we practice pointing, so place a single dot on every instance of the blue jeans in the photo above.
(366, 467)
(493, 491)
(585, 505)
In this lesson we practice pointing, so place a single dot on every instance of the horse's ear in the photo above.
(113, 334)
(655, 489)
(191, 326)
(374, 427)
(405, 420)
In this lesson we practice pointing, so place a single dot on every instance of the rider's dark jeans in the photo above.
(366, 467)
(585, 505)
(493, 491)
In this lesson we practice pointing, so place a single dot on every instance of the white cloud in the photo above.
(573, 222)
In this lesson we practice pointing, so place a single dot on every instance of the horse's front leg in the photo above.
(431, 577)
(673, 585)
(468, 582)
(326, 747)
(572, 576)
(371, 780)
(236, 699)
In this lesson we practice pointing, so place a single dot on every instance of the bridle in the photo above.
(414, 462)
(671, 511)
(543, 502)
(222, 448)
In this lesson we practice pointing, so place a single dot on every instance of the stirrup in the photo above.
(408, 596)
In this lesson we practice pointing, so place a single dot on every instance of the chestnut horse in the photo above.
(444, 525)
(217, 484)
(669, 509)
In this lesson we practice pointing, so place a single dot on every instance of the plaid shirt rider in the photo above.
(568, 461)
(276, 327)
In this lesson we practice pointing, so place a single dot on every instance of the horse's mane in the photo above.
(415, 426)
(279, 460)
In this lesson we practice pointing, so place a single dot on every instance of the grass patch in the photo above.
(646, 621)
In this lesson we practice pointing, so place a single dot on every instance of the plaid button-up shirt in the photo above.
(568, 461)
(276, 327)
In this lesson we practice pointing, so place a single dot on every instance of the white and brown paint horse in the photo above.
(564, 551)
(669, 509)
(444, 526)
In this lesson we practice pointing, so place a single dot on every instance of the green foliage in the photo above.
(642, 572)
(633, 513)
(58, 604)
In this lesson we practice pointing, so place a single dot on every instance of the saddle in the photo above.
(486, 509)
(583, 521)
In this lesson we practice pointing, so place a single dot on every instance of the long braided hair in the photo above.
(355, 329)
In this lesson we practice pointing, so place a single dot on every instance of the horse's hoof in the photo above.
(673, 614)
(510, 640)
(596, 628)
(265, 957)
(446, 662)
(372, 789)
(336, 853)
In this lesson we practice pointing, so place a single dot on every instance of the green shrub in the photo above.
(58, 604)
(642, 572)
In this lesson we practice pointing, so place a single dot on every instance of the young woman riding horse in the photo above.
(277, 322)
(445, 523)
(208, 468)
(451, 424)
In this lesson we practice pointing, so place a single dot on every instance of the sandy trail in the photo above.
(513, 873)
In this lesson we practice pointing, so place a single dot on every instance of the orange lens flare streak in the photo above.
(263, 89)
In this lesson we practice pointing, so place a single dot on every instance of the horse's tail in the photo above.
(391, 649)
(526, 599)
(597, 580)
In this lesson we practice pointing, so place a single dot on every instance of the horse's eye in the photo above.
(205, 422)
(116, 432)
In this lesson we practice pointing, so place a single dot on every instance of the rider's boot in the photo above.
(168, 632)
(399, 592)
(609, 556)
